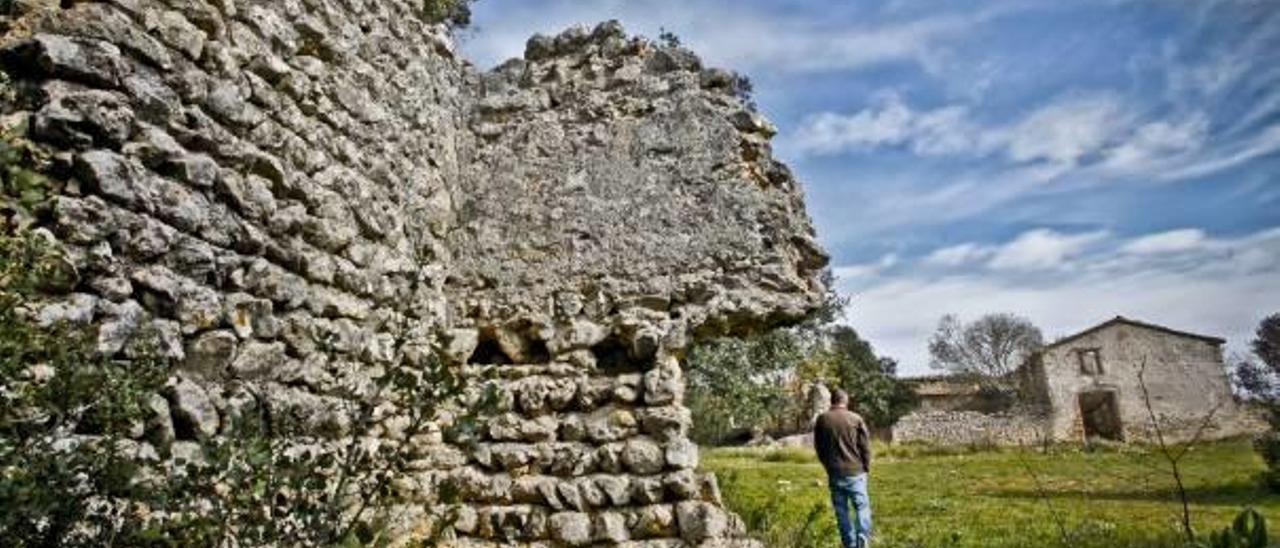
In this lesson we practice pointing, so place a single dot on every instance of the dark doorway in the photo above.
(1101, 415)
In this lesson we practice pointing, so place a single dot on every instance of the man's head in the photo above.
(839, 398)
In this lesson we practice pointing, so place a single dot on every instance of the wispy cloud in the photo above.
(890, 122)
(1042, 249)
(1222, 287)
(1172, 241)
(747, 36)
(854, 272)
(957, 255)
(1062, 131)
(1068, 129)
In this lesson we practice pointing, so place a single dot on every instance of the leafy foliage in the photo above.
(1266, 343)
(872, 382)
(263, 489)
(1249, 530)
(735, 385)
(65, 416)
(74, 471)
(741, 387)
(668, 38)
(1261, 383)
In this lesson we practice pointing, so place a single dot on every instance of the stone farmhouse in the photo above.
(1095, 384)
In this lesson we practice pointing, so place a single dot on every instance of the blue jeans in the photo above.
(846, 491)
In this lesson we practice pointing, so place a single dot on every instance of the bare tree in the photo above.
(991, 346)
(1172, 452)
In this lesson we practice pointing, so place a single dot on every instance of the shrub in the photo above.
(74, 472)
(1249, 530)
(1268, 446)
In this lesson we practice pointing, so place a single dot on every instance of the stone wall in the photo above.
(285, 198)
(972, 428)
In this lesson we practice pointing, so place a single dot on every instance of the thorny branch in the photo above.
(1174, 458)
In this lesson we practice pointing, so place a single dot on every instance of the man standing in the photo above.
(844, 447)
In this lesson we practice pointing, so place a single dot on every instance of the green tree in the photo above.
(760, 383)
(1260, 381)
(735, 385)
(874, 388)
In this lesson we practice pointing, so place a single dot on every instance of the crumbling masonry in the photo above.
(255, 186)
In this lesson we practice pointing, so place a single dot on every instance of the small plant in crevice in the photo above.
(262, 486)
(454, 13)
(77, 463)
(668, 38)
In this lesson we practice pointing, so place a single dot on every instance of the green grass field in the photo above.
(1115, 497)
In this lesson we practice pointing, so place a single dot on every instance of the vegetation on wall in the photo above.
(455, 13)
(75, 468)
(82, 464)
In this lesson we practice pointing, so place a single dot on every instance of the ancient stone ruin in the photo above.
(285, 197)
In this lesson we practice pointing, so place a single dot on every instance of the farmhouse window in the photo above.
(1090, 361)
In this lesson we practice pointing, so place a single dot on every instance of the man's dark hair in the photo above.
(839, 397)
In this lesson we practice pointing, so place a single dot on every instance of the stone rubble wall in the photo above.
(972, 428)
(286, 198)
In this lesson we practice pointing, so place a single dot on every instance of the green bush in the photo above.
(1248, 531)
(65, 416)
(1268, 446)
(72, 471)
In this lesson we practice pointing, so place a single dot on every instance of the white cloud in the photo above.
(1061, 132)
(860, 271)
(1042, 249)
(1227, 156)
(1068, 129)
(1173, 241)
(958, 255)
(890, 122)
(1157, 141)
(1223, 289)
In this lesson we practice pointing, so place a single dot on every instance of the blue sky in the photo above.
(1066, 161)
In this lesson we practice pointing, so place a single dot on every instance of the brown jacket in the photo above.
(842, 442)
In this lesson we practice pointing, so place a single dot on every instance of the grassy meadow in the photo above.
(1067, 496)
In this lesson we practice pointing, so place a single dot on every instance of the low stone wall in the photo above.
(970, 428)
